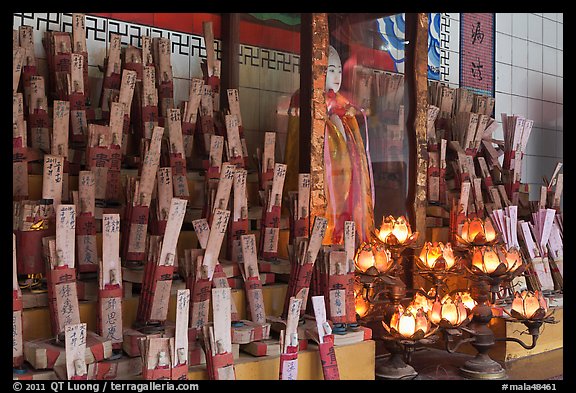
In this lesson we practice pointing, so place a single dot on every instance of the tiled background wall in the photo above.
(529, 81)
(528, 72)
(267, 76)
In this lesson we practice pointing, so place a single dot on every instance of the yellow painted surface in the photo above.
(355, 362)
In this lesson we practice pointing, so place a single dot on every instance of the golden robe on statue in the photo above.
(347, 175)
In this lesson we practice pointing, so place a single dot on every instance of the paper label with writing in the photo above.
(150, 167)
(77, 73)
(292, 320)
(67, 311)
(202, 230)
(290, 370)
(175, 131)
(173, 226)
(234, 104)
(75, 342)
(277, 185)
(111, 250)
(249, 255)
(137, 238)
(226, 373)
(338, 302)
(116, 124)
(160, 300)
(65, 234)
(17, 57)
(240, 199)
(61, 122)
(86, 192)
(100, 181)
(320, 315)
(111, 317)
(181, 332)
(127, 89)
(17, 339)
(200, 314)
(87, 250)
(256, 304)
(316, 237)
(224, 186)
(15, 285)
(196, 88)
(165, 192)
(271, 236)
(52, 178)
(79, 33)
(221, 299)
(268, 161)
(303, 195)
(216, 148)
(233, 134)
(20, 178)
(79, 122)
(114, 48)
(217, 232)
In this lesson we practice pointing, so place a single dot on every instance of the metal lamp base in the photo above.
(395, 368)
(482, 367)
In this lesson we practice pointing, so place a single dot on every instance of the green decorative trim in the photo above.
(292, 19)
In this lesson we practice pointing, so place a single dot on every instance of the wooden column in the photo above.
(230, 72)
(417, 85)
(313, 65)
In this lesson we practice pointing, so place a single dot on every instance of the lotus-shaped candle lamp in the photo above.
(409, 324)
(361, 304)
(422, 301)
(466, 298)
(364, 259)
(530, 306)
(436, 256)
(450, 312)
(496, 262)
(396, 232)
(373, 259)
(477, 232)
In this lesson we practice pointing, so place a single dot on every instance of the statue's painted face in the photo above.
(334, 72)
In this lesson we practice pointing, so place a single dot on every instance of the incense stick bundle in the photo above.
(234, 107)
(20, 151)
(110, 291)
(289, 342)
(325, 339)
(239, 224)
(161, 52)
(517, 130)
(158, 272)
(17, 338)
(112, 75)
(79, 47)
(217, 338)
(190, 116)
(29, 63)
(87, 252)
(305, 258)
(270, 226)
(138, 199)
(177, 154)
(33, 220)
